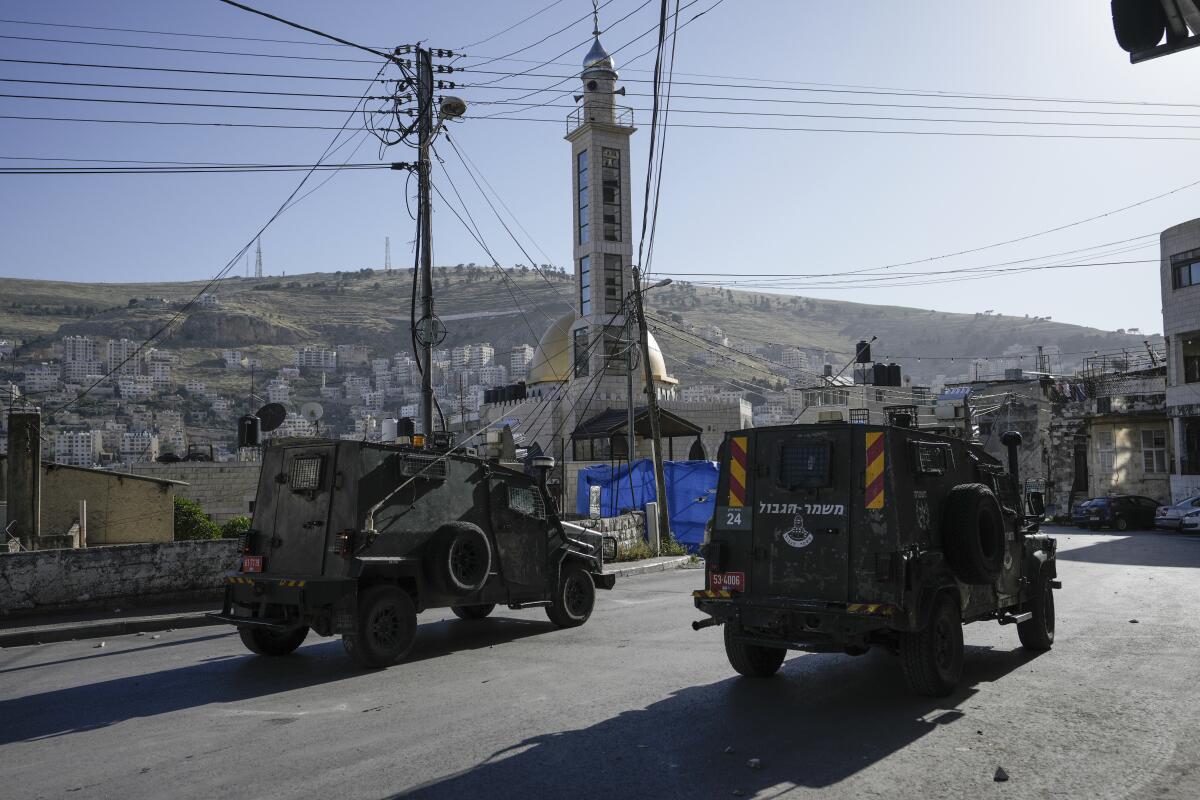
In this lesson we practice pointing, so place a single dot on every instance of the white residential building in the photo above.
(136, 387)
(42, 378)
(518, 360)
(279, 392)
(81, 371)
(795, 359)
(353, 355)
(316, 358)
(208, 300)
(79, 348)
(78, 448)
(139, 446)
(232, 359)
(482, 355)
(160, 375)
(121, 356)
(1180, 281)
(194, 386)
(494, 375)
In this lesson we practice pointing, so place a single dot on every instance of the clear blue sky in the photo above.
(734, 201)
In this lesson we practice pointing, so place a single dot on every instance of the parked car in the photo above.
(1079, 514)
(1190, 522)
(1171, 517)
(1122, 512)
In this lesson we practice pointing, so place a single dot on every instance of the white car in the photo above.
(1171, 517)
(1190, 522)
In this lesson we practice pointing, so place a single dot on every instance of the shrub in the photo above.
(191, 522)
(235, 527)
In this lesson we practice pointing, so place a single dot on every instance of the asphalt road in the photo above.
(633, 704)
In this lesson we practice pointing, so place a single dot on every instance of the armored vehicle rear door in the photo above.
(521, 531)
(801, 482)
(297, 543)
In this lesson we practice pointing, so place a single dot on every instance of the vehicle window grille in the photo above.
(305, 475)
(421, 466)
(526, 501)
(933, 459)
(804, 465)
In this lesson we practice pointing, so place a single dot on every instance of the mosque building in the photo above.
(579, 381)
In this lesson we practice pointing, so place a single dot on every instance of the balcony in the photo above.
(620, 116)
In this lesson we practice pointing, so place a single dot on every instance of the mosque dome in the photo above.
(552, 360)
(598, 63)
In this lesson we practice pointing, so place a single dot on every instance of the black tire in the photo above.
(573, 598)
(973, 534)
(932, 658)
(1037, 632)
(385, 628)
(459, 558)
(752, 660)
(264, 642)
(473, 612)
(1120, 524)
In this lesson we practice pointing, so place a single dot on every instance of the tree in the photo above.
(191, 523)
(238, 526)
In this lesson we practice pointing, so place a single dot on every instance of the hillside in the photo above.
(271, 316)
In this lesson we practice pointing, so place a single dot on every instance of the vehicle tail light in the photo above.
(345, 544)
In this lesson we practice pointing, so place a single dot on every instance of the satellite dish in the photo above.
(311, 411)
(271, 416)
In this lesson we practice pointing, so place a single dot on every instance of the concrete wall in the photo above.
(224, 490)
(121, 508)
(138, 574)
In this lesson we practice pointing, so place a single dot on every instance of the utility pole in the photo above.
(387, 255)
(424, 172)
(660, 478)
(631, 453)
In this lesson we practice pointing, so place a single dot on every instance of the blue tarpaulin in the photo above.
(691, 493)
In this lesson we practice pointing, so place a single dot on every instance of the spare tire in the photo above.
(459, 558)
(973, 533)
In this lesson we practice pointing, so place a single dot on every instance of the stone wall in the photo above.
(223, 490)
(629, 529)
(124, 575)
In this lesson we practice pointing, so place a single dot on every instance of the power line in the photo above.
(516, 24)
(185, 170)
(182, 70)
(162, 48)
(187, 89)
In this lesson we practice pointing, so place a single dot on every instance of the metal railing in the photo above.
(620, 116)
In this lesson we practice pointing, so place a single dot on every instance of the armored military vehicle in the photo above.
(355, 538)
(839, 537)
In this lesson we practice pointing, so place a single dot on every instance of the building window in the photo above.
(614, 292)
(1191, 359)
(585, 286)
(1154, 450)
(1186, 269)
(616, 349)
(610, 162)
(581, 352)
(1104, 451)
(581, 168)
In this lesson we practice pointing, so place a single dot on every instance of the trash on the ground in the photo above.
(100, 645)
(1001, 776)
(116, 611)
(754, 763)
(729, 749)
(156, 636)
(1133, 622)
(738, 793)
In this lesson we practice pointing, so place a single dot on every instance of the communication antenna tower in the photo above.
(258, 258)
(387, 254)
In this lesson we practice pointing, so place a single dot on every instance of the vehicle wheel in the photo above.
(973, 533)
(385, 628)
(573, 599)
(473, 612)
(752, 660)
(1037, 632)
(460, 558)
(932, 658)
(1121, 524)
(266, 642)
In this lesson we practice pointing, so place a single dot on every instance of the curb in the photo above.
(645, 569)
(94, 630)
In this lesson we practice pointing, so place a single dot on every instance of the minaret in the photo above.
(599, 132)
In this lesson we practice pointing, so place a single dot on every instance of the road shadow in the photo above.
(821, 720)
(1141, 548)
(227, 679)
